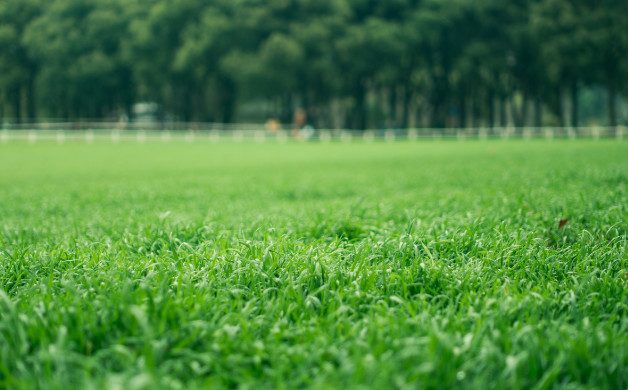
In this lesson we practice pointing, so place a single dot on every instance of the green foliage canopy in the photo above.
(431, 62)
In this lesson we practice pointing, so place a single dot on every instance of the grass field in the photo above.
(433, 265)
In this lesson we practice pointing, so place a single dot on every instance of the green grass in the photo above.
(435, 265)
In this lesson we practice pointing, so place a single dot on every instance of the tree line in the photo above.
(347, 63)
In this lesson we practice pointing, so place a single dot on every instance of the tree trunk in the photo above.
(405, 115)
(16, 96)
(439, 113)
(612, 105)
(392, 103)
(559, 106)
(519, 113)
(477, 104)
(359, 112)
(574, 104)
(538, 112)
(2, 105)
(227, 96)
(286, 108)
(524, 109)
(30, 99)
(491, 108)
(462, 103)
(186, 99)
(503, 119)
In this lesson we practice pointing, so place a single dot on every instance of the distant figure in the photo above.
(308, 131)
(273, 125)
(299, 120)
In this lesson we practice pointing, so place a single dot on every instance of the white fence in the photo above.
(258, 134)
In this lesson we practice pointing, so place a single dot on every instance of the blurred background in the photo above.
(354, 64)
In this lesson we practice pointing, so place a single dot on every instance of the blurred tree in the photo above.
(494, 50)
(376, 62)
(557, 25)
(76, 44)
(205, 43)
(529, 82)
(17, 68)
(364, 50)
(584, 42)
(293, 63)
(441, 39)
(275, 71)
(606, 38)
(157, 33)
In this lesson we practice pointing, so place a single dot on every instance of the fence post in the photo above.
(60, 137)
(141, 136)
(32, 137)
(214, 136)
(63, 133)
(238, 136)
(260, 136)
(89, 136)
(325, 136)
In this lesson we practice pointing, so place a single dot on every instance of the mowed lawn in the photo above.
(426, 265)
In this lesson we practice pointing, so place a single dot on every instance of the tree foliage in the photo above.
(368, 62)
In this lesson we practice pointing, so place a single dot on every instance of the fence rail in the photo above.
(258, 133)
